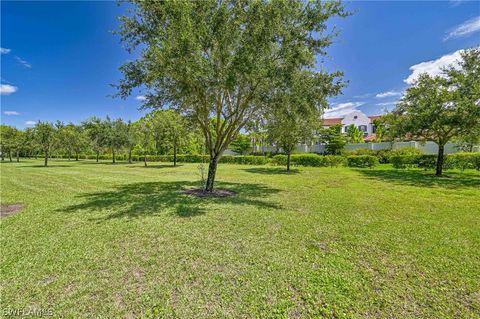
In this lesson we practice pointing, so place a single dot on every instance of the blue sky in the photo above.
(59, 58)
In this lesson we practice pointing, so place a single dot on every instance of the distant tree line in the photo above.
(160, 132)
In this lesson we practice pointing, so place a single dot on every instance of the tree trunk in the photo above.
(3, 155)
(98, 155)
(36, 155)
(145, 160)
(174, 155)
(10, 155)
(288, 162)
(212, 170)
(46, 159)
(440, 159)
(113, 155)
(130, 154)
(18, 157)
(76, 156)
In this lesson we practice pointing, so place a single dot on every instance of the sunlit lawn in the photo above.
(112, 241)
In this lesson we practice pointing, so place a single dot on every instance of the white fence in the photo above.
(427, 147)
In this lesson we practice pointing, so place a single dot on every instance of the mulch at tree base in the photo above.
(10, 209)
(215, 193)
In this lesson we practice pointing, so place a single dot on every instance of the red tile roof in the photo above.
(370, 138)
(332, 121)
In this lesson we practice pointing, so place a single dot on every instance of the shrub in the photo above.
(279, 159)
(335, 160)
(384, 156)
(463, 161)
(426, 161)
(429, 161)
(362, 151)
(362, 161)
(410, 150)
(313, 160)
(247, 159)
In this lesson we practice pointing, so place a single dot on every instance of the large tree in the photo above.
(221, 60)
(440, 108)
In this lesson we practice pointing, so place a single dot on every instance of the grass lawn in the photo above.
(113, 241)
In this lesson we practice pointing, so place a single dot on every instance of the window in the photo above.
(345, 129)
(374, 129)
(362, 128)
(355, 117)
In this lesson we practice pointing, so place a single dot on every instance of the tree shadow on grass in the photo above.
(157, 198)
(425, 179)
(271, 170)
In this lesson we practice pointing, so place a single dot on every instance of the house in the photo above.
(357, 118)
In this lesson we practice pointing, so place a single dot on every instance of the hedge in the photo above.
(362, 161)
(429, 161)
(313, 160)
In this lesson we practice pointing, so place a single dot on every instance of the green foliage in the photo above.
(362, 151)
(441, 108)
(333, 138)
(313, 160)
(369, 161)
(384, 156)
(355, 135)
(8, 136)
(241, 144)
(460, 161)
(410, 150)
(226, 61)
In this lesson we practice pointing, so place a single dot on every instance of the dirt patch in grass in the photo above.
(215, 193)
(10, 209)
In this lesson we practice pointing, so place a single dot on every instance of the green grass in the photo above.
(112, 241)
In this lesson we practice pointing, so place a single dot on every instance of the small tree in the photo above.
(8, 140)
(114, 135)
(355, 135)
(144, 136)
(46, 136)
(242, 144)
(440, 108)
(170, 131)
(334, 140)
(220, 60)
(95, 131)
(380, 130)
(297, 108)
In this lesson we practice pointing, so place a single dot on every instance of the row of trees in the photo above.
(160, 132)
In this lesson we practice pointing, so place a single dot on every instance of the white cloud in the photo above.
(464, 29)
(11, 113)
(433, 67)
(30, 123)
(341, 109)
(7, 89)
(388, 94)
(363, 96)
(387, 103)
(23, 62)
(140, 98)
(4, 50)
